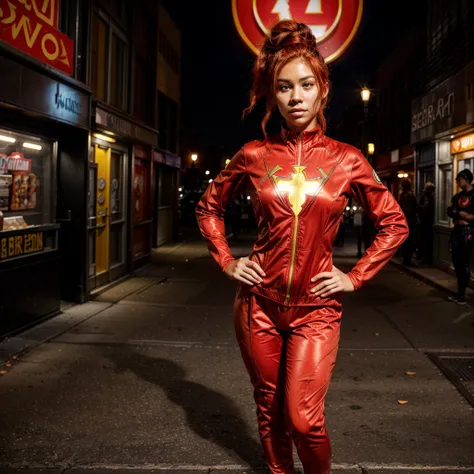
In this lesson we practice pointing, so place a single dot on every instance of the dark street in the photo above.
(152, 379)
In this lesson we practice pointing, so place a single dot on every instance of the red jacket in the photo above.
(299, 186)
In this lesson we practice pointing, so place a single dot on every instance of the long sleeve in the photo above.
(388, 218)
(211, 208)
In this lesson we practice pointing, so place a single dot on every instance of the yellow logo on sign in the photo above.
(17, 245)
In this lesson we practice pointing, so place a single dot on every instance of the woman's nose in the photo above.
(296, 96)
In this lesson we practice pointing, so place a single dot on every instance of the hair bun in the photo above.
(289, 34)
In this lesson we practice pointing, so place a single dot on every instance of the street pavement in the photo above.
(148, 378)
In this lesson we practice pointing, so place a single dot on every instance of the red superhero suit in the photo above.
(299, 187)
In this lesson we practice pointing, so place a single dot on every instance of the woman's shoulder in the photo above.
(340, 148)
(254, 149)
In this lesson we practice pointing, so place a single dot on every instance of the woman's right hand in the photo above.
(245, 271)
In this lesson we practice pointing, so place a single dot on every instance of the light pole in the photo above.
(365, 94)
(194, 158)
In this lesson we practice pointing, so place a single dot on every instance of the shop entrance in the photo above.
(107, 216)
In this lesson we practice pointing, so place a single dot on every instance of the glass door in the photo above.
(107, 216)
(117, 215)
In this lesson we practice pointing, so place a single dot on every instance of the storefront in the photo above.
(44, 133)
(165, 182)
(437, 118)
(120, 207)
(396, 166)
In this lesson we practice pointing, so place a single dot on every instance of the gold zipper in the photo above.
(295, 231)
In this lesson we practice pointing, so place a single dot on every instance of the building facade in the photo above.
(442, 118)
(79, 137)
(396, 86)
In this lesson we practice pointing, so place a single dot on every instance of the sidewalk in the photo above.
(149, 378)
(434, 276)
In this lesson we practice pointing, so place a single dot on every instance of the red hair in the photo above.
(287, 40)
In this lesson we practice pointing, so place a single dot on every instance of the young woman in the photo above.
(287, 310)
(462, 236)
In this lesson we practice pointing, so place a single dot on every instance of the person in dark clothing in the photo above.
(409, 206)
(426, 214)
(461, 211)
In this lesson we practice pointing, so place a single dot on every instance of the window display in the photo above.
(25, 180)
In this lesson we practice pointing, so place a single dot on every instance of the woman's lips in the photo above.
(297, 113)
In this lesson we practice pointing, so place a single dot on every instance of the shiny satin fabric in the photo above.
(299, 187)
(289, 353)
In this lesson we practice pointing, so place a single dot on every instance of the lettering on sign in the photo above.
(31, 26)
(18, 245)
(67, 103)
(442, 109)
(461, 144)
(15, 162)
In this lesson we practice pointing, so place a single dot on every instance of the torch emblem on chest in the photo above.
(299, 186)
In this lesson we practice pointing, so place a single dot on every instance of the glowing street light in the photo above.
(371, 148)
(208, 172)
(365, 94)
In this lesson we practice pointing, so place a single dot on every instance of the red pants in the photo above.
(289, 354)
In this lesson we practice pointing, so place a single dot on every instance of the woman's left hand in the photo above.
(334, 281)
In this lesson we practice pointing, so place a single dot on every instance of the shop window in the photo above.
(445, 192)
(25, 180)
(109, 63)
(118, 73)
(99, 57)
(140, 191)
(168, 186)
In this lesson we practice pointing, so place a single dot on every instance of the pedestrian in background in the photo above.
(358, 222)
(461, 211)
(409, 206)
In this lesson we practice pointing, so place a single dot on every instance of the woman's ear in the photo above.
(325, 90)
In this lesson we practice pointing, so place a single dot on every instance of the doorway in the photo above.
(107, 216)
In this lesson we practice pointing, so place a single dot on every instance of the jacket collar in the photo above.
(308, 137)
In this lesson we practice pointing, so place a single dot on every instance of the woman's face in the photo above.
(298, 96)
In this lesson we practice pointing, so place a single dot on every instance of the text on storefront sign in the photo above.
(18, 245)
(30, 25)
(462, 144)
(430, 114)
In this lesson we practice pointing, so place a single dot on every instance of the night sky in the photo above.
(216, 67)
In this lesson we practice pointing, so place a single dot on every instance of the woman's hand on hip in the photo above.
(334, 281)
(245, 271)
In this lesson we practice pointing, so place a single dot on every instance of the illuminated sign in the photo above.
(333, 22)
(31, 26)
(18, 245)
(461, 144)
(15, 162)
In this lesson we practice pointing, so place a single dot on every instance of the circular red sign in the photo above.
(333, 22)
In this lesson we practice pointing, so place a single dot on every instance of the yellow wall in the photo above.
(102, 158)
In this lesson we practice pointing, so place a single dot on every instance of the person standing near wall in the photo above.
(409, 206)
(461, 211)
(426, 222)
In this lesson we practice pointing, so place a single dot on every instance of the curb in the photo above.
(412, 272)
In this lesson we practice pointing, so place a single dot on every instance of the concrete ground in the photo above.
(148, 378)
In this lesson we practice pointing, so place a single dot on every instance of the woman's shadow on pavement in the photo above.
(210, 414)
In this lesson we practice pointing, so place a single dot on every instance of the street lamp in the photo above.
(208, 172)
(365, 95)
(371, 148)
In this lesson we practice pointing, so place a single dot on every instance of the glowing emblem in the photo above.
(298, 187)
(333, 22)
